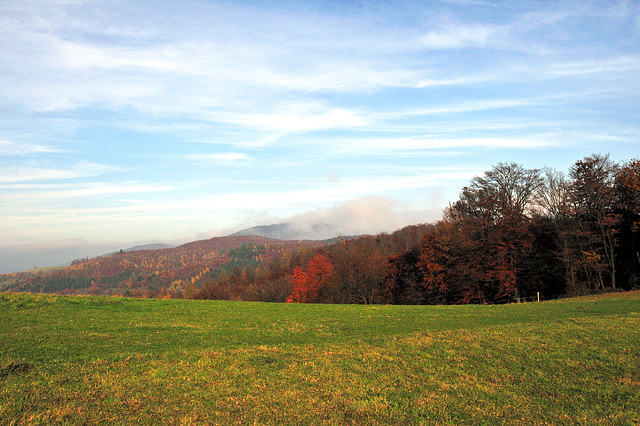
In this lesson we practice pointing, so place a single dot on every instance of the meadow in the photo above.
(91, 360)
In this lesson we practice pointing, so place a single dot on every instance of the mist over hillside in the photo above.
(368, 215)
(288, 231)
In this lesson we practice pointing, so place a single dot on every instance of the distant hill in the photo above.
(280, 231)
(290, 231)
(156, 267)
(157, 246)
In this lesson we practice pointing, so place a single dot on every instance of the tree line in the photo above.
(512, 234)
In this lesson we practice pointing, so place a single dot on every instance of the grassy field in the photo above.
(88, 360)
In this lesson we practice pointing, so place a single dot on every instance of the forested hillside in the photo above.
(513, 234)
(171, 272)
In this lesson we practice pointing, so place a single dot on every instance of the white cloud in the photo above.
(8, 148)
(369, 215)
(397, 145)
(19, 194)
(25, 174)
(463, 106)
(295, 122)
(224, 157)
(609, 66)
(460, 36)
(432, 82)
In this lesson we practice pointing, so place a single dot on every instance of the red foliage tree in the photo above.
(308, 284)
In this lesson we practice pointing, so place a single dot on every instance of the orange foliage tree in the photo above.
(308, 283)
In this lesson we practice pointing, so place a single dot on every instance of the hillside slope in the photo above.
(159, 270)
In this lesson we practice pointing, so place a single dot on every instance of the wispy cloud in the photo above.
(26, 174)
(464, 106)
(460, 36)
(321, 192)
(17, 194)
(228, 157)
(385, 146)
(289, 120)
(8, 148)
(610, 66)
(433, 82)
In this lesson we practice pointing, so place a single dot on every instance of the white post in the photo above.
(538, 293)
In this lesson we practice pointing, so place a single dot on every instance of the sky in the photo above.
(133, 122)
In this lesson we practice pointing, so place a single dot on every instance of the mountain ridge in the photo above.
(154, 246)
(280, 231)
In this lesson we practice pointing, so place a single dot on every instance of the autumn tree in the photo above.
(403, 279)
(308, 284)
(627, 189)
(593, 196)
(491, 218)
(555, 210)
(360, 270)
(218, 288)
(301, 293)
(461, 245)
(433, 263)
(208, 291)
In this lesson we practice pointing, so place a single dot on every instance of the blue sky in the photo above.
(128, 122)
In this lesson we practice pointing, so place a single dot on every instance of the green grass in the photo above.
(89, 360)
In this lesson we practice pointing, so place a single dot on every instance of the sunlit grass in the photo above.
(92, 360)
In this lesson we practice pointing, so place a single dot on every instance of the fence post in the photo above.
(538, 293)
